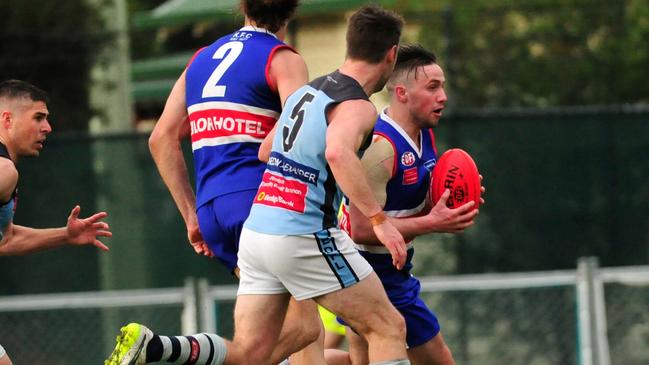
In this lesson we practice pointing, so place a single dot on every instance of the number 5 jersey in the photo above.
(298, 193)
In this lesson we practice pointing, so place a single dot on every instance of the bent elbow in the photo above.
(334, 154)
(155, 139)
(263, 155)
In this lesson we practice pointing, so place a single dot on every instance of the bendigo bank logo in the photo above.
(285, 183)
(261, 196)
(277, 191)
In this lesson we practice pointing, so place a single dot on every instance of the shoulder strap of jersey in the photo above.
(432, 140)
(272, 84)
(194, 56)
(4, 153)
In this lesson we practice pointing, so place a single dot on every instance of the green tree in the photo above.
(53, 45)
(541, 52)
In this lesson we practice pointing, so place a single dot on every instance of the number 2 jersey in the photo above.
(298, 193)
(232, 105)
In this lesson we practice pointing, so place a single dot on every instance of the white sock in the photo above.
(200, 349)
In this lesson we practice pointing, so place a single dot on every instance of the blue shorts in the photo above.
(221, 220)
(403, 291)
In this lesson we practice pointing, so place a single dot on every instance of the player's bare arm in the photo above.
(164, 144)
(349, 124)
(21, 240)
(440, 219)
(378, 163)
(287, 73)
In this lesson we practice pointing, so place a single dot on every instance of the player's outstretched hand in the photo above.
(445, 219)
(85, 231)
(393, 241)
(198, 243)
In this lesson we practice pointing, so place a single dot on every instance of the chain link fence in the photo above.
(535, 326)
(80, 329)
(588, 316)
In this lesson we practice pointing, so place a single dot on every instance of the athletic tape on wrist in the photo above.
(377, 218)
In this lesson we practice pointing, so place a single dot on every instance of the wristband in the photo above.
(377, 218)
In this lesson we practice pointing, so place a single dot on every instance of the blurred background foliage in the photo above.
(497, 53)
(54, 45)
(542, 52)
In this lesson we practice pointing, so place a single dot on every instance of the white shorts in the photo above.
(2, 352)
(306, 266)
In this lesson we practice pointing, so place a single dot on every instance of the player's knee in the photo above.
(311, 326)
(399, 325)
(446, 357)
(310, 331)
(393, 325)
(386, 324)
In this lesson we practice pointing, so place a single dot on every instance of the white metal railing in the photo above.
(185, 296)
(197, 298)
(588, 280)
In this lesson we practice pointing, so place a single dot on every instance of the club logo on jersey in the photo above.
(240, 36)
(408, 158)
(331, 79)
(276, 191)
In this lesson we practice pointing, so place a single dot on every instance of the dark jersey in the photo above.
(7, 208)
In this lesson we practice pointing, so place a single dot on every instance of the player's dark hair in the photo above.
(270, 14)
(412, 56)
(14, 89)
(371, 32)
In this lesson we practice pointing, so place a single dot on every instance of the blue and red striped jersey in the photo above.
(232, 105)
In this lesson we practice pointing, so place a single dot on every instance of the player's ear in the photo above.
(6, 118)
(401, 93)
(391, 56)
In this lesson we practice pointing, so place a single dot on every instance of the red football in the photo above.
(455, 170)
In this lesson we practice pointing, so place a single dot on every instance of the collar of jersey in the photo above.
(250, 28)
(403, 133)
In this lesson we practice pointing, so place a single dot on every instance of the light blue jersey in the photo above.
(298, 193)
